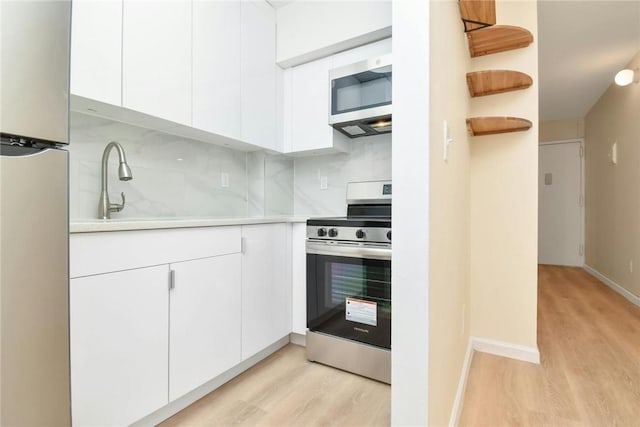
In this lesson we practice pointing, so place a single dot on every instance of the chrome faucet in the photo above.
(124, 173)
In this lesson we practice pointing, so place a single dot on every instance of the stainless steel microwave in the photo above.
(360, 97)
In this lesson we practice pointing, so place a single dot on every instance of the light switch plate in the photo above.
(224, 179)
(447, 141)
(614, 153)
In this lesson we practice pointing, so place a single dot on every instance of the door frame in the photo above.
(583, 205)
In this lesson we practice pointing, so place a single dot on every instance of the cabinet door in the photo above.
(119, 340)
(362, 53)
(216, 67)
(205, 321)
(258, 74)
(310, 128)
(266, 286)
(96, 50)
(299, 278)
(156, 58)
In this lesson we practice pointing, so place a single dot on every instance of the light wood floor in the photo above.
(589, 340)
(287, 390)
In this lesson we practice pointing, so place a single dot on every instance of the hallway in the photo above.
(589, 340)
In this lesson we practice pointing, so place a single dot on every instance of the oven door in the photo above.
(349, 291)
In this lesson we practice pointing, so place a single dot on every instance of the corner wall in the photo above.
(504, 198)
(612, 232)
(410, 217)
(448, 210)
(561, 130)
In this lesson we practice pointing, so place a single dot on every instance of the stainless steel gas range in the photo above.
(349, 284)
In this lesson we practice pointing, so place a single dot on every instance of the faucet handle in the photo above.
(114, 207)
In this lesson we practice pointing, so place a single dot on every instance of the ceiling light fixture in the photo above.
(626, 77)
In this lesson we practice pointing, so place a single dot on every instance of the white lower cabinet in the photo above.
(266, 286)
(204, 321)
(299, 279)
(146, 331)
(119, 342)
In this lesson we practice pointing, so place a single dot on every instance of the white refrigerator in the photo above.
(34, 218)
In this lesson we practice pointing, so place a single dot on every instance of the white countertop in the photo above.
(98, 225)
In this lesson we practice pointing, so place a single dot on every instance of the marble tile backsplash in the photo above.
(369, 160)
(177, 177)
(172, 176)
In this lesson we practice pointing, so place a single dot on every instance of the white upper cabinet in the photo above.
(259, 74)
(156, 58)
(309, 125)
(96, 50)
(216, 67)
(362, 53)
(307, 98)
(309, 30)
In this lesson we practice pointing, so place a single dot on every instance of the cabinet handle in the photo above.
(172, 279)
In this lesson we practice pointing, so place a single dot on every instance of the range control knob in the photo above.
(322, 232)
(333, 232)
(389, 234)
(360, 234)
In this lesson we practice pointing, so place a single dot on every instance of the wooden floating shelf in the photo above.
(497, 38)
(489, 82)
(477, 13)
(478, 126)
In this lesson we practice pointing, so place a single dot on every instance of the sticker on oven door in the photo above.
(361, 311)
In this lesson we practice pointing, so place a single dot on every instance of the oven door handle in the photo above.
(348, 251)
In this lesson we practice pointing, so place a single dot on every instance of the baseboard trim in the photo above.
(298, 339)
(179, 404)
(462, 386)
(633, 298)
(507, 349)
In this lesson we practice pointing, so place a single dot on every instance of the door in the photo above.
(34, 69)
(156, 58)
(34, 283)
(266, 286)
(349, 292)
(119, 341)
(560, 210)
(96, 50)
(205, 321)
(258, 74)
(216, 67)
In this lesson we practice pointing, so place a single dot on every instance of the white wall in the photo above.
(410, 273)
(504, 198)
(612, 196)
(449, 294)
(312, 29)
(560, 130)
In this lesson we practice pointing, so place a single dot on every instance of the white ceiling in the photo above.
(581, 46)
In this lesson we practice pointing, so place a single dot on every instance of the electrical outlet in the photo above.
(323, 182)
(224, 179)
